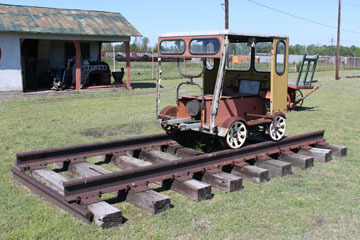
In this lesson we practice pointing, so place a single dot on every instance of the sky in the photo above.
(152, 17)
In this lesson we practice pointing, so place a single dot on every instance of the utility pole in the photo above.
(338, 44)
(226, 14)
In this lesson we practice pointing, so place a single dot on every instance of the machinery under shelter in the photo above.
(44, 48)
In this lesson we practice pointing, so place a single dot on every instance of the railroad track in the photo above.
(157, 160)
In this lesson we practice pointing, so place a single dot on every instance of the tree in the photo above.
(156, 47)
(144, 44)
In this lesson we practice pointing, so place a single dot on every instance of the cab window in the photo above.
(239, 56)
(263, 56)
(172, 46)
(280, 57)
(204, 46)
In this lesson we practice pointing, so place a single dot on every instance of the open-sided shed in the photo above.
(37, 40)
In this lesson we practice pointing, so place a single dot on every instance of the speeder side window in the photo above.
(175, 47)
(280, 57)
(204, 46)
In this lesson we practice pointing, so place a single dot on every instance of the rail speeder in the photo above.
(243, 90)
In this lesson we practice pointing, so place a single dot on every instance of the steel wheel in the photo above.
(236, 135)
(277, 128)
(169, 129)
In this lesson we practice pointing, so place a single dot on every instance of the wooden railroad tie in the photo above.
(275, 167)
(297, 160)
(319, 154)
(192, 188)
(149, 200)
(105, 215)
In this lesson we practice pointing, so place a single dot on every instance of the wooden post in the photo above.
(78, 64)
(338, 44)
(114, 59)
(127, 45)
(152, 64)
(226, 14)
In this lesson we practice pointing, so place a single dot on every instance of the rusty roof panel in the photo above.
(15, 18)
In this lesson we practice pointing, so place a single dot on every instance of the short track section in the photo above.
(138, 164)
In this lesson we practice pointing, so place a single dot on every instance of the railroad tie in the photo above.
(275, 167)
(105, 215)
(319, 154)
(149, 200)
(251, 173)
(297, 160)
(337, 150)
(192, 188)
(222, 180)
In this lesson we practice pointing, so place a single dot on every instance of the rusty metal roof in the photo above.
(28, 19)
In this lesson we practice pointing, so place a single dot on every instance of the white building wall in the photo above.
(10, 63)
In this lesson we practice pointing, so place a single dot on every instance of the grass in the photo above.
(320, 203)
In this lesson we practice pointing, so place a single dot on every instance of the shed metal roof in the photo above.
(223, 32)
(14, 18)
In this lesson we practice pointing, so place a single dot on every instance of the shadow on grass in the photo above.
(144, 85)
(302, 108)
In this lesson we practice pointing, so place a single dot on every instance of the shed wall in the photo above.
(10, 65)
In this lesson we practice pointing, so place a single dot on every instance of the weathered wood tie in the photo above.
(222, 180)
(251, 173)
(275, 167)
(337, 150)
(105, 215)
(149, 200)
(297, 160)
(192, 188)
(319, 154)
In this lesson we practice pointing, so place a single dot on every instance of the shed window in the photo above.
(280, 57)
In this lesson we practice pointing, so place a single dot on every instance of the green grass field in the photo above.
(322, 202)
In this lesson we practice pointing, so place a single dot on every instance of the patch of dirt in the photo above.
(123, 129)
(318, 220)
(201, 224)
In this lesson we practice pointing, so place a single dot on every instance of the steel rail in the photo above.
(38, 159)
(90, 189)
(52, 196)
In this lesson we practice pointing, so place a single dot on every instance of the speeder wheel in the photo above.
(277, 128)
(236, 135)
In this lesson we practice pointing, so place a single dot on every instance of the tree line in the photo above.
(324, 50)
(143, 45)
